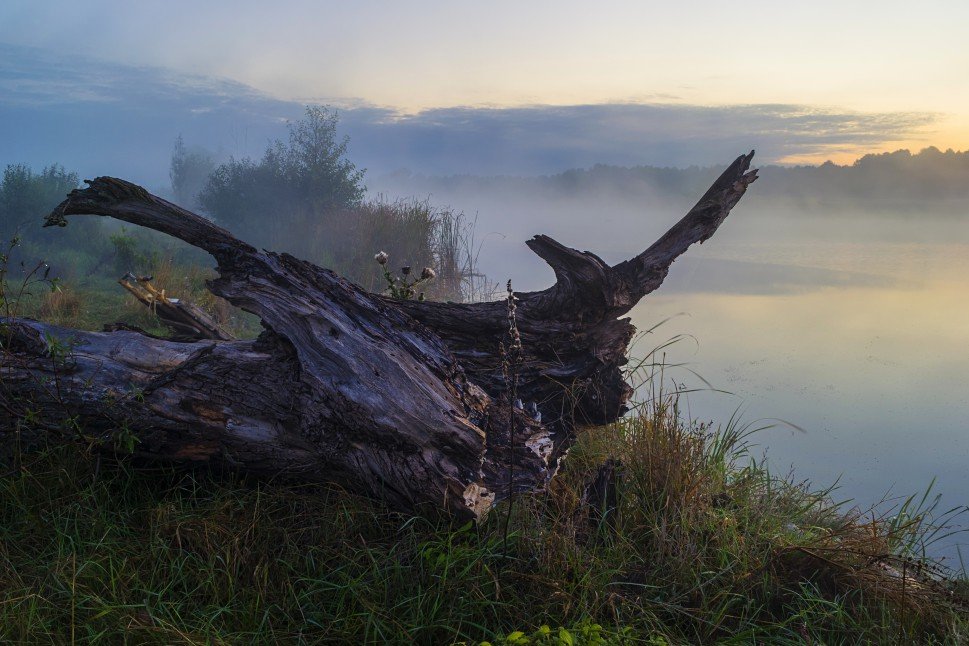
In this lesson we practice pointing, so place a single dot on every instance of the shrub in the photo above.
(280, 199)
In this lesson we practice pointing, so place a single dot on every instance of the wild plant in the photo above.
(404, 287)
(32, 276)
(511, 360)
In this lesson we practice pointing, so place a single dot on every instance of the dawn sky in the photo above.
(865, 57)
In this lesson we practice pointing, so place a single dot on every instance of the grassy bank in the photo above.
(94, 298)
(706, 547)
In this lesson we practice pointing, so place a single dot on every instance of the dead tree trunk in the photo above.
(406, 401)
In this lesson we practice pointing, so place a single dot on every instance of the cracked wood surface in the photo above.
(401, 400)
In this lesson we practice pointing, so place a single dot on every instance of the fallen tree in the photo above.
(425, 405)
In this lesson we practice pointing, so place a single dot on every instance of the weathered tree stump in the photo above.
(402, 400)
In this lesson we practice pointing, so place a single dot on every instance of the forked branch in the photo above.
(405, 401)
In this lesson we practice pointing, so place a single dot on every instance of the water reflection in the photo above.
(864, 345)
(854, 326)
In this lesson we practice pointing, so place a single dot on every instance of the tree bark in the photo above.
(403, 400)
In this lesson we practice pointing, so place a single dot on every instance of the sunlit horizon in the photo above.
(948, 133)
(883, 60)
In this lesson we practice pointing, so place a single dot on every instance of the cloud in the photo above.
(105, 118)
(545, 139)
(108, 118)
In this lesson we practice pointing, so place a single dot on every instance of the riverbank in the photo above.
(705, 545)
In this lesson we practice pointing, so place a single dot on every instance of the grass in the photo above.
(414, 233)
(86, 294)
(707, 547)
(90, 301)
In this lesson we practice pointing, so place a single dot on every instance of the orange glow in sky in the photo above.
(865, 57)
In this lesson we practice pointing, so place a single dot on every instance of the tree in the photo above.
(447, 406)
(189, 173)
(26, 197)
(276, 201)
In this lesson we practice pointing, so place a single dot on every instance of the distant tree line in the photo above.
(90, 247)
(898, 182)
(26, 196)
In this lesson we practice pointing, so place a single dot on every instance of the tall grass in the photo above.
(414, 233)
(707, 546)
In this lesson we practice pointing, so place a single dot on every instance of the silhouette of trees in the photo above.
(281, 199)
(26, 197)
(189, 172)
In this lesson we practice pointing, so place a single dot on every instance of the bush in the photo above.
(277, 200)
(306, 198)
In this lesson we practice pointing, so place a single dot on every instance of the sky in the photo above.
(104, 87)
(892, 73)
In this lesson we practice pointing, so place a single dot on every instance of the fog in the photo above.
(832, 297)
(617, 212)
(849, 324)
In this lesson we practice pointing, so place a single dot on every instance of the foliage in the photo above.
(128, 253)
(415, 234)
(706, 546)
(188, 281)
(26, 197)
(408, 285)
(91, 303)
(13, 293)
(280, 199)
(583, 634)
(188, 172)
(306, 198)
(86, 258)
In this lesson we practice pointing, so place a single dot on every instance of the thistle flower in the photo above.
(405, 270)
(382, 257)
(428, 274)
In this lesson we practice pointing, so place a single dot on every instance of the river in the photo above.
(853, 327)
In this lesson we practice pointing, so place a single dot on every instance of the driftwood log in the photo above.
(403, 400)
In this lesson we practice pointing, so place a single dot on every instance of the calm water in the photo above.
(854, 327)
(863, 345)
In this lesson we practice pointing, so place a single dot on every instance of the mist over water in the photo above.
(871, 364)
(850, 325)
(832, 297)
